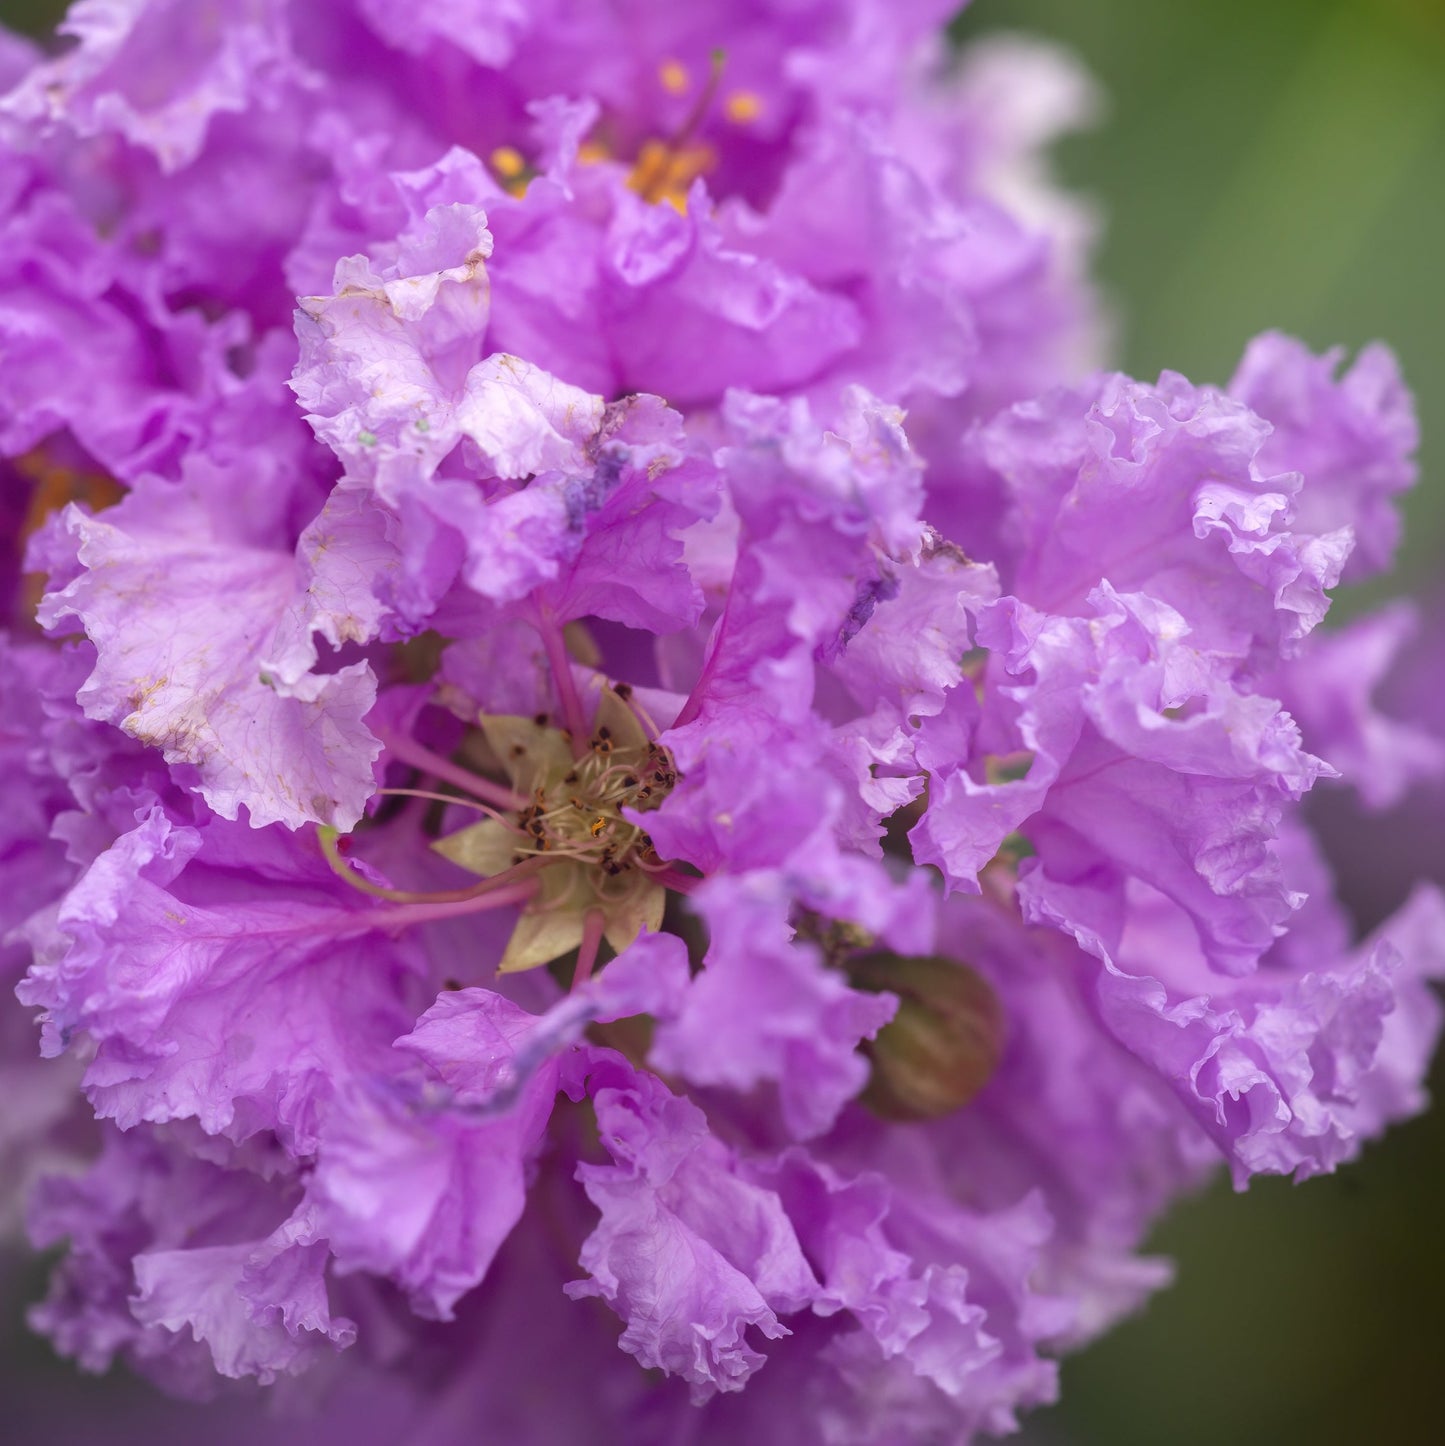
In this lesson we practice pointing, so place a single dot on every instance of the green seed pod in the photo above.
(942, 1046)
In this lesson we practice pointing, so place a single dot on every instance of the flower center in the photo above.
(575, 807)
(53, 485)
(594, 860)
(664, 166)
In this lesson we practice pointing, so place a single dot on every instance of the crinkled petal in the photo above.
(766, 1010)
(688, 1252)
(411, 1186)
(246, 1013)
(1352, 437)
(196, 656)
(157, 71)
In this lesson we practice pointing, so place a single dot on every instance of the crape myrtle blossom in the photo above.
(594, 780)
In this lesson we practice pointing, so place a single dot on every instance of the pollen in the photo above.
(674, 77)
(54, 486)
(577, 804)
(664, 172)
(596, 858)
(511, 168)
(743, 106)
(508, 162)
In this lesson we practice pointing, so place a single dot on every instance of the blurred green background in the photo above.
(1262, 165)
(1276, 164)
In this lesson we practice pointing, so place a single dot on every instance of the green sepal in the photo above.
(484, 848)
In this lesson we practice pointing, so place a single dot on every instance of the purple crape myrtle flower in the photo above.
(620, 753)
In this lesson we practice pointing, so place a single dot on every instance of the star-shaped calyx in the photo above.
(599, 866)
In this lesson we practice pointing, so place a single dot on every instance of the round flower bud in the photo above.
(942, 1046)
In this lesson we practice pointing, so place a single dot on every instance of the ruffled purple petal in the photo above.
(688, 1252)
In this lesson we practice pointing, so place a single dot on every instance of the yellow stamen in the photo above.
(664, 172)
(743, 106)
(674, 77)
(596, 859)
(55, 487)
(512, 170)
(508, 162)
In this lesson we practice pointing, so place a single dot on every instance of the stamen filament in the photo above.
(695, 117)
(675, 879)
(692, 704)
(408, 750)
(593, 925)
(649, 724)
(497, 882)
(574, 893)
(406, 915)
(554, 852)
(561, 664)
(451, 798)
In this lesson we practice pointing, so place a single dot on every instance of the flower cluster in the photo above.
(640, 810)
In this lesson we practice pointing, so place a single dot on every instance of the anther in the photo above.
(511, 168)
(508, 162)
(742, 106)
(673, 75)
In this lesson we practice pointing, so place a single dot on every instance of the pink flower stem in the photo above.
(573, 718)
(328, 840)
(676, 880)
(408, 750)
(593, 925)
(692, 704)
(406, 915)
